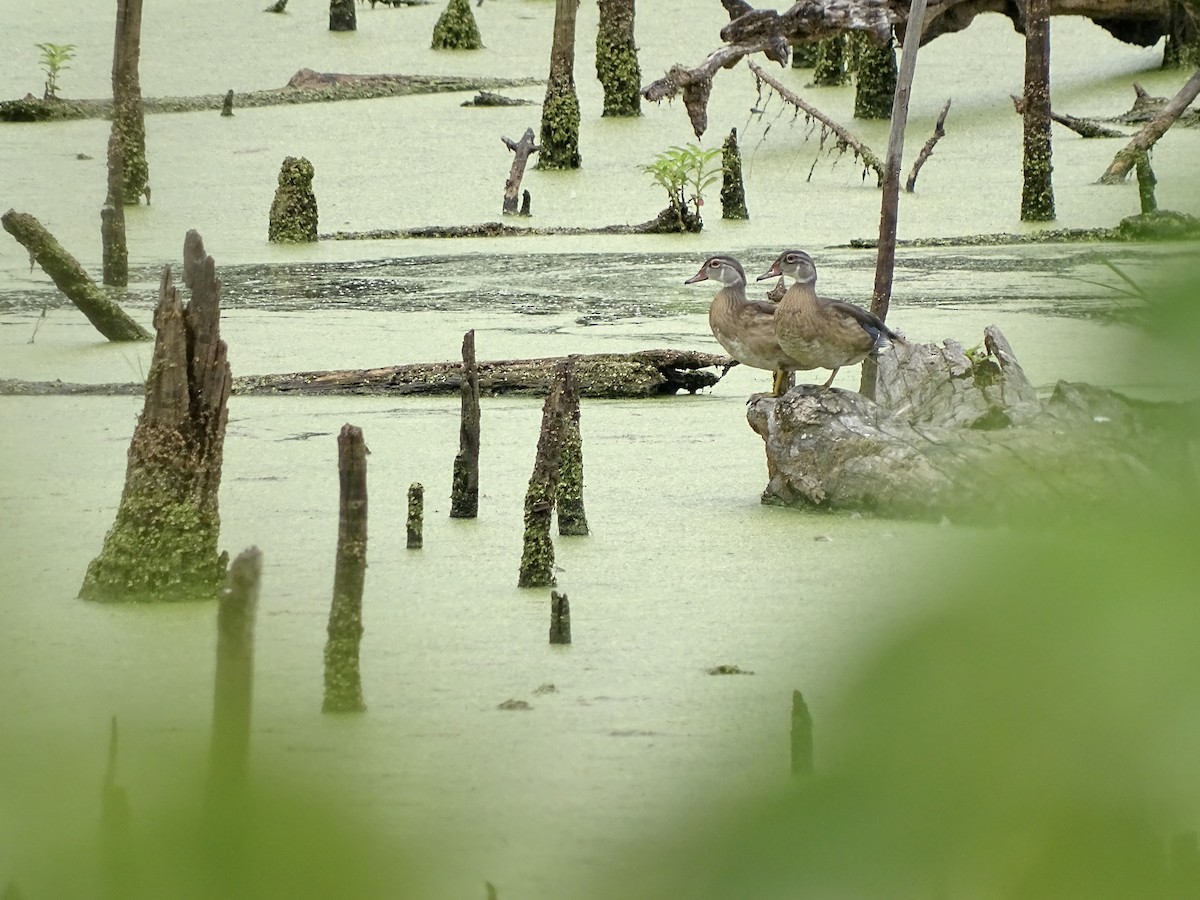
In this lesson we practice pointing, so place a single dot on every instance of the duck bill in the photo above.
(702, 275)
(772, 272)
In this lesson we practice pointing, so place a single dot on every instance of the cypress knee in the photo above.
(293, 217)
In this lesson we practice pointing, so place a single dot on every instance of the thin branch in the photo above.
(1083, 127)
(939, 132)
(1153, 130)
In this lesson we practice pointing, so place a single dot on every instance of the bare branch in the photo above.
(939, 132)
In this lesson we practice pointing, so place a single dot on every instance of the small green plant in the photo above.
(54, 60)
(685, 173)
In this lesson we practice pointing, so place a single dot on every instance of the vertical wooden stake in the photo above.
(537, 557)
(572, 520)
(227, 103)
(343, 682)
(560, 618)
(464, 485)
(234, 681)
(802, 736)
(416, 515)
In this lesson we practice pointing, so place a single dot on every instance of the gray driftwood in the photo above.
(956, 433)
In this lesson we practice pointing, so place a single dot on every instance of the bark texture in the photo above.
(616, 59)
(537, 553)
(512, 187)
(572, 518)
(1127, 157)
(114, 250)
(456, 28)
(874, 77)
(733, 189)
(163, 544)
(1037, 192)
(464, 484)
(559, 137)
(293, 218)
(343, 681)
(108, 317)
(129, 120)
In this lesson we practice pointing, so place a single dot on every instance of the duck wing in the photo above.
(868, 321)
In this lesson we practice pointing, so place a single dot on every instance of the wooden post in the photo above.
(227, 103)
(71, 278)
(416, 516)
(342, 16)
(560, 618)
(733, 191)
(1037, 192)
(537, 556)
(128, 116)
(616, 59)
(229, 752)
(572, 520)
(802, 736)
(114, 250)
(464, 489)
(163, 544)
(560, 110)
(343, 682)
(889, 216)
(512, 186)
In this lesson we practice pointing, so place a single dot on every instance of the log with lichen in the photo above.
(293, 217)
(960, 433)
(537, 547)
(163, 544)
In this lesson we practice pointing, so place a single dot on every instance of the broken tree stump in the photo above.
(959, 434)
(560, 618)
(233, 690)
(415, 520)
(343, 681)
(733, 190)
(110, 320)
(163, 544)
(293, 217)
(227, 103)
(114, 251)
(464, 483)
(512, 187)
(537, 555)
(572, 519)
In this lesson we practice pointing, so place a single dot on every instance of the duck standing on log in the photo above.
(744, 327)
(819, 332)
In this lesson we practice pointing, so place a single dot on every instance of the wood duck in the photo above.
(819, 332)
(745, 328)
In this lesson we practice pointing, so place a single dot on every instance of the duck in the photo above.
(745, 328)
(819, 332)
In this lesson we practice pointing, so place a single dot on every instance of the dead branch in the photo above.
(1151, 132)
(845, 140)
(939, 132)
(1083, 127)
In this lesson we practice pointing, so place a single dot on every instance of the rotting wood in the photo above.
(69, 276)
(569, 508)
(343, 680)
(1037, 183)
(114, 251)
(1087, 128)
(1127, 157)
(560, 618)
(521, 150)
(939, 132)
(464, 482)
(163, 544)
(559, 134)
(537, 553)
(128, 114)
(414, 521)
(845, 139)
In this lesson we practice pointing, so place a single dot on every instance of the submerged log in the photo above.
(163, 544)
(956, 433)
(110, 320)
(644, 373)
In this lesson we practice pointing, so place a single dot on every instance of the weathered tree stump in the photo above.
(537, 556)
(227, 103)
(114, 249)
(342, 15)
(559, 137)
(874, 77)
(414, 522)
(163, 544)
(560, 618)
(958, 434)
(456, 28)
(830, 69)
(1037, 191)
(616, 59)
(733, 190)
(343, 681)
(229, 752)
(512, 186)
(293, 218)
(572, 519)
(129, 120)
(802, 736)
(464, 483)
(69, 276)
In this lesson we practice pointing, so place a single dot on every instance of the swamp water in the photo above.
(685, 570)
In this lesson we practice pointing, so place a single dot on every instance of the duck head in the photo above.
(795, 264)
(725, 269)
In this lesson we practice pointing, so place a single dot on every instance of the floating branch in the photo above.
(939, 132)
(845, 140)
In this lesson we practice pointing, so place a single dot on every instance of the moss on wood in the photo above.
(616, 59)
(559, 138)
(875, 78)
(733, 191)
(830, 70)
(293, 218)
(456, 28)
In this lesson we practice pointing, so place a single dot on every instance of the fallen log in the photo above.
(108, 317)
(961, 434)
(1127, 157)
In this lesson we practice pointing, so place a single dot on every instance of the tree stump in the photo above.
(163, 544)
(464, 483)
(293, 217)
(960, 434)
(733, 191)
(414, 521)
(512, 187)
(1037, 193)
(572, 519)
(342, 15)
(559, 136)
(129, 120)
(456, 28)
(616, 59)
(343, 681)
(114, 249)
(874, 76)
(560, 618)
(537, 555)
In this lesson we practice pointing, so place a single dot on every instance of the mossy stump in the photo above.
(874, 78)
(163, 544)
(293, 217)
(616, 59)
(572, 519)
(343, 680)
(560, 618)
(342, 16)
(830, 68)
(537, 555)
(415, 521)
(559, 138)
(128, 119)
(733, 190)
(464, 482)
(456, 28)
